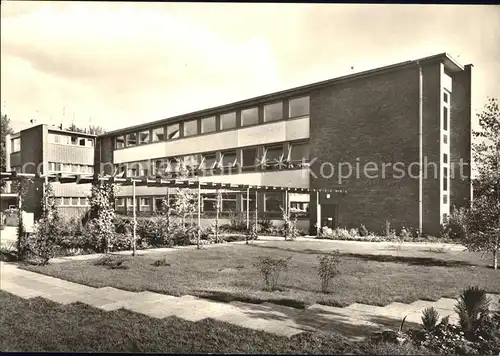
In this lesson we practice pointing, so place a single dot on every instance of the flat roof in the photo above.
(450, 64)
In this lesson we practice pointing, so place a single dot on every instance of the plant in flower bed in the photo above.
(477, 332)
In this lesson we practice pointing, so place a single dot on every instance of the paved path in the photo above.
(355, 321)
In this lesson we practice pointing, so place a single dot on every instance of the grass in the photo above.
(39, 325)
(227, 273)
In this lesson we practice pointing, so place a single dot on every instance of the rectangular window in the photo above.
(229, 159)
(228, 202)
(172, 131)
(91, 169)
(90, 142)
(445, 118)
(131, 139)
(249, 117)
(75, 201)
(51, 166)
(143, 137)
(119, 141)
(130, 203)
(208, 124)
(16, 144)
(273, 201)
(445, 158)
(58, 167)
(209, 202)
(299, 152)
(273, 156)
(120, 202)
(445, 138)
(58, 200)
(228, 121)
(209, 161)
(299, 107)
(445, 199)
(82, 142)
(273, 112)
(74, 140)
(158, 204)
(158, 134)
(74, 168)
(132, 170)
(445, 97)
(445, 178)
(192, 162)
(53, 138)
(190, 128)
(251, 202)
(144, 203)
(66, 201)
(249, 157)
(143, 169)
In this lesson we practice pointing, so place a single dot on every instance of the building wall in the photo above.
(32, 158)
(374, 119)
(431, 117)
(460, 140)
(280, 131)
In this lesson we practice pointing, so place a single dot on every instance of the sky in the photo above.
(121, 64)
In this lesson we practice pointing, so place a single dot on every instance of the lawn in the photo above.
(228, 273)
(39, 325)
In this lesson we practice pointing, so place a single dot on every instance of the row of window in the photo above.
(272, 157)
(71, 140)
(70, 168)
(297, 107)
(15, 144)
(72, 201)
(273, 202)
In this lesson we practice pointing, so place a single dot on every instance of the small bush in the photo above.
(455, 226)
(363, 231)
(406, 233)
(161, 262)
(112, 262)
(270, 269)
(430, 318)
(328, 269)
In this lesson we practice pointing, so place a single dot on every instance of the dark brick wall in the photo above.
(460, 138)
(104, 155)
(431, 196)
(372, 119)
(31, 157)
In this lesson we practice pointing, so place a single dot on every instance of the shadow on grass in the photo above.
(410, 260)
(227, 297)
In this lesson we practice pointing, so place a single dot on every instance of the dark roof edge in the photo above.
(450, 64)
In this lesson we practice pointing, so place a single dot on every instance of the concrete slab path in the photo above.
(355, 321)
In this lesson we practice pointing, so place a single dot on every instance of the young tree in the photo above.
(5, 130)
(48, 227)
(102, 214)
(483, 223)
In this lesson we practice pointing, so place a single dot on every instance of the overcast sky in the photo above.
(123, 64)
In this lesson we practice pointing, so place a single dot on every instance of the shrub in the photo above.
(161, 262)
(328, 269)
(363, 231)
(406, 233)
(455, 226)
(265, 225)
(270, 269)
(290, 225)
(472, 308)
(112, 262)
(430, 318)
